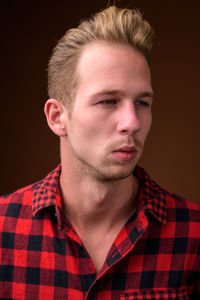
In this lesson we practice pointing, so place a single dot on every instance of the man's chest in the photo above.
(140, 267)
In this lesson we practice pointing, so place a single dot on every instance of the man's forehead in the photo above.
(99, 56)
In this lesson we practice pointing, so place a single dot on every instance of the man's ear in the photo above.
(56, 115)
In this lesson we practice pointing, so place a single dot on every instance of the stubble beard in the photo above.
(108, 170)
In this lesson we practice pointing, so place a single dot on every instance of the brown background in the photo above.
(29, 31)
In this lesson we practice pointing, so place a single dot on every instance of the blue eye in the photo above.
(142, 103)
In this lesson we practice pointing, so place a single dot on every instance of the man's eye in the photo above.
(108, 102)
(142, 103)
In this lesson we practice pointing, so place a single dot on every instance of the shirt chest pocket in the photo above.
(160, 294)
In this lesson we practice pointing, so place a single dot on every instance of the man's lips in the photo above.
(125, 154)
(127, 149)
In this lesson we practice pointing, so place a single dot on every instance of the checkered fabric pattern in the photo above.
(155, 255)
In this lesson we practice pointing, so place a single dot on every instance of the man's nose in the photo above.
(129, 122)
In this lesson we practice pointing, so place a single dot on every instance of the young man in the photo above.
(98, 227)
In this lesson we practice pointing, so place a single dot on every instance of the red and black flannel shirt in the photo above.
(155, 256)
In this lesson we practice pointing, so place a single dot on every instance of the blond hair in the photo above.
(112, 25)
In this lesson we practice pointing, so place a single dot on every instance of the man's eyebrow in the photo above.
(120, 93)
(108, 93)
(147, 94)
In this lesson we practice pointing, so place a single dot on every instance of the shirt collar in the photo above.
(151, 198)
(47, 192)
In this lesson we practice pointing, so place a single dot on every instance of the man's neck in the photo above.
(97, 210)
(89, 203)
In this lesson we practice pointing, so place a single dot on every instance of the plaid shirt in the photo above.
(155, 256)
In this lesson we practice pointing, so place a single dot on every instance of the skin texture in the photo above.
(102, 139)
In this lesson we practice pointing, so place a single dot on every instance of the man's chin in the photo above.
(113, 175)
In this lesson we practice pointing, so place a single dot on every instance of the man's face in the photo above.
(111, 113)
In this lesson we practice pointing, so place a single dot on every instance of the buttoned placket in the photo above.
(142, 224)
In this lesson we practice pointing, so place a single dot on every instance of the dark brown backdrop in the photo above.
(29, 31)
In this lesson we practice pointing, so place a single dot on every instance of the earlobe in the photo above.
(55, 111)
